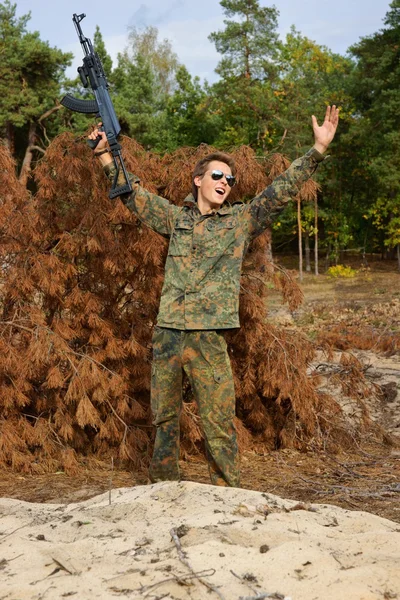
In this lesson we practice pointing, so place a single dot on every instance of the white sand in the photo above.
(93, 550)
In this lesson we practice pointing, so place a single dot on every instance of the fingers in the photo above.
(328, 114)
(97, 131)
(314, 121)
(335, 116)
(96, 134)
(332, 114)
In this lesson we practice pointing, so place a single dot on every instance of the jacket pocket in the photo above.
(220, 237)
(181, 239)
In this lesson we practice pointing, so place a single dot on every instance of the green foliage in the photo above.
(312, 77)
(341, 271)
(189, 119)
(243, 99)
(338, 233)
(134, 102)
(144, 81)
(385, 216)
(31, 74)
(375, 131)
(249, 41)
(100, 48)
(265, 96)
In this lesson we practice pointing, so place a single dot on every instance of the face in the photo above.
(212, 194)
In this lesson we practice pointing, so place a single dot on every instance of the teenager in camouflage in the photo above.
(208, 238)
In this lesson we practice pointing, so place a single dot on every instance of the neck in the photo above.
(206, 207)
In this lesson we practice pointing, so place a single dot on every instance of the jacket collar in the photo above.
(225, 209)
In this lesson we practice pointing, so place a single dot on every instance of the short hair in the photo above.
(202, 165)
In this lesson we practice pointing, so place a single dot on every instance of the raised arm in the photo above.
(265, 208)
(156, 212)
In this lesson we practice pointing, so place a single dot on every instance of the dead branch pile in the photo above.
(81, 281)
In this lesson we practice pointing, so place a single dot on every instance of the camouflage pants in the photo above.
(204, 358)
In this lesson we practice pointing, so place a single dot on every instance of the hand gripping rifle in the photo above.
(92, 73)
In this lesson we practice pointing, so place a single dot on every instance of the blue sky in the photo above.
(187, 24)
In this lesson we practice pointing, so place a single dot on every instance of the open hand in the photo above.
(325, 133)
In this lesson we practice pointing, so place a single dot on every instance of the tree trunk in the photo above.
(316, 236)
(398, 257)
(364, 255)
(247, 54)
(10, 137)
(307, 251)
(27, 162)
(268, 247)
(327, 257)
(300, 240)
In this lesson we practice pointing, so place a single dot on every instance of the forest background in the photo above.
(264, 98)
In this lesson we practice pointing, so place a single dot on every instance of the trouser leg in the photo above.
(166, 403)
(206, 362)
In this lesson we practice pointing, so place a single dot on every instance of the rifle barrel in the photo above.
(85, 42)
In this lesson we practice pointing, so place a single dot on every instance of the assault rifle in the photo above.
(92, 74)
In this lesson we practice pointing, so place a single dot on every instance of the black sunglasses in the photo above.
(230, 179)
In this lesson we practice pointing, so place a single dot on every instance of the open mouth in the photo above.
(220, 191)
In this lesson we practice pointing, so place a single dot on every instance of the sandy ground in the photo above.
(381, 371)
(193, 541)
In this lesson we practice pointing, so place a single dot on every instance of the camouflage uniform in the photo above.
(203, 356)
(200, 296)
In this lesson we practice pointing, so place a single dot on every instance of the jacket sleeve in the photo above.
(157, 213)
(266, 207)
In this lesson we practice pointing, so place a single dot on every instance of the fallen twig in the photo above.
(13, 531)
(111, 481)
(182, 557)
(181, 579)
(274, 595)
(262, 595)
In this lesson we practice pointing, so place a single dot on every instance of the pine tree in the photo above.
(31, 73)
(100, 47)
(135, 100)
(249, 41)
(189, 121)
(375, 133)
(312, 77)
(243, 98)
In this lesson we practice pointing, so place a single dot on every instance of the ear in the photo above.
(197, 181)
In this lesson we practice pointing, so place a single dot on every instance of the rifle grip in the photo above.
(93, 143)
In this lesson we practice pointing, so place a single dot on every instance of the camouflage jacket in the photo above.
(205, 254)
